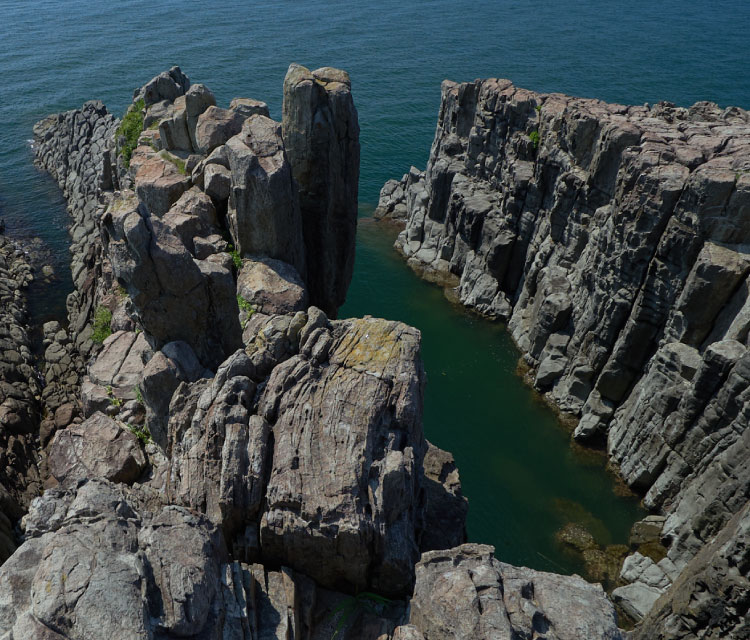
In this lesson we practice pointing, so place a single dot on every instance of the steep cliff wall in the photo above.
(613, 240)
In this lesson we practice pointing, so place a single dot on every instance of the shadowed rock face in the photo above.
(614, 241)
(321, 135)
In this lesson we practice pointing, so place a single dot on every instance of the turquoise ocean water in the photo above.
(522, 478)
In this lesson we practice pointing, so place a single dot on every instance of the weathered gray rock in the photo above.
(173, 128)
(197, 99)
(392, 205)
(19, 389)
(264, 216)
(96, 448)
(247, 107)
(709, 599)
(217, 181)
(321, 135)
(446, 507)
(214, 127)
(110, 568)
(168, 85)
(175, 296)
(613, 240)
(361, 386)
(271, 286)
(158, 182)
(466, 593)
(175, 363)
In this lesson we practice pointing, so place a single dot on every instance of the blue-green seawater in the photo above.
(522, 478)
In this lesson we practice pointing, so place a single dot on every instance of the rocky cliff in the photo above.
(613, 240)
(221, 458)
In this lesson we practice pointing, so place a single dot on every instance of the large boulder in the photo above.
(214, 127)
(168, 85)
(97, 448)
(105, 567)
(321, 134)
(343, 502)
(158, 181)
(466, 594)
(264, 216)
(271, 286)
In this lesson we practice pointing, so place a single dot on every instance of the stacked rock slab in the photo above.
(321, 135)
(613, 240)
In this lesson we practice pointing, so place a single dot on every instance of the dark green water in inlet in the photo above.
(518, 470)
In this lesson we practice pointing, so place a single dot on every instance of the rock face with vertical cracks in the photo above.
(321, 135)
(615, 242)
(264, 216)
(343, 502)
(19, 389)
(176, 297)
(324, 473)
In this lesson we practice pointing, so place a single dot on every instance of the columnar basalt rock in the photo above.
(613, 241)
(321, 135)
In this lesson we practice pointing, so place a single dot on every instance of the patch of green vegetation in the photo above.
(131, 128)
(142, 433)
(245, 306)
(113, 399)
(177, 162)
(538, 108)
(154, 125)
(236, 259)
(102, 331)
(354, 606)
(138, 395)
(534, 137)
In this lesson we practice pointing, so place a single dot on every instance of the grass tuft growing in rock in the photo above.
(177, 162)
(102, 330)
(142, 433)
(131, 128)
(236, 259)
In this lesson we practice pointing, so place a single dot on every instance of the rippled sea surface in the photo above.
(522, 478)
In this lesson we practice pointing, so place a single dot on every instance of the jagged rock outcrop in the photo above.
(465, 593)
(321, 135)
(97, 448)
(273, 472)
(271, 286)
(175, 296)
(446, 507)
(613, 240)
(264, 215)
(304, 450)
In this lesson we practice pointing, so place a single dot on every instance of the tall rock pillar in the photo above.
(321, 137)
